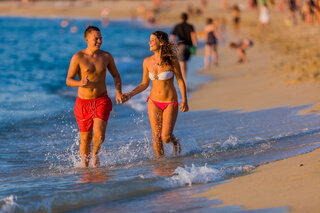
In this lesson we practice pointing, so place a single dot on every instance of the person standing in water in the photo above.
(211, 43)
(186, 39)
(161, 68)
(93, 106)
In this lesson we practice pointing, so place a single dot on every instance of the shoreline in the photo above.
(294, 183)
(247, 87)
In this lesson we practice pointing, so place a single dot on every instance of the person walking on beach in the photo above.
(264, 16)
(161, 68)
(211, 43)
(93, 106)
(236, 18)
(186, 39)
(242, 46)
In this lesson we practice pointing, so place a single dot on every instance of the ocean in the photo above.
(40, 168)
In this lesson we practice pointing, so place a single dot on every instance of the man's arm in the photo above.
(172, 38)
(74, 69)
(116, 78)
(194, 38)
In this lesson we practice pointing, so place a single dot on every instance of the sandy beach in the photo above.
(282, 71)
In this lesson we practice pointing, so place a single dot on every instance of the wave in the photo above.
(8, 204)
(190, 175)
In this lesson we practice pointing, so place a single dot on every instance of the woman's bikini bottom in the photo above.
(163, 105)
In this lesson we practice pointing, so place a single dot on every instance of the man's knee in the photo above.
(86, 137)
(99, 137)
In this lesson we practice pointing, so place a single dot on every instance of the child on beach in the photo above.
(93, 106)
(242, 46)
(211, 36)
(161, 68)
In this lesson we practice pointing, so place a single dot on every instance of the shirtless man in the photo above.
(93, 106)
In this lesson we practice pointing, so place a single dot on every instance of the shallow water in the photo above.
(40, 169)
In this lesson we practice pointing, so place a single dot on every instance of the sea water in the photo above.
(40, 168)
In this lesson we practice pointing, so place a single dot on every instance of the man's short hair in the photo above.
(184, 16)
(90, 29)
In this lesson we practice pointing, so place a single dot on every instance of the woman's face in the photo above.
(154, 43)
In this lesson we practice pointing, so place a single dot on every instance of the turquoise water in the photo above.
(40, 169)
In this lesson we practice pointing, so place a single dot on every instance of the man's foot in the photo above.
(95, 161)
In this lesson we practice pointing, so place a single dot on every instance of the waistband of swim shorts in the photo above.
(94, 99)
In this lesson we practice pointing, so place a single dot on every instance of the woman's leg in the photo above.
(169, 118)
(155, 117)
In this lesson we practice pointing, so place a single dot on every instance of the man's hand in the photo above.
(84, 81)
(184, 107)
(119, 98)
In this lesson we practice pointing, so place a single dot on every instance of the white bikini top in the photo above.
(162, 76)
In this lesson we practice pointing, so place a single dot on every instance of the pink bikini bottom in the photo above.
(163, 105)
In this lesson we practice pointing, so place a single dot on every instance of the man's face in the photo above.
(94, 39)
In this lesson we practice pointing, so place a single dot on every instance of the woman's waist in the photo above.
(163, 96)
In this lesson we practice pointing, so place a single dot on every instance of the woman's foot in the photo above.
(176, 146)
(95, 161)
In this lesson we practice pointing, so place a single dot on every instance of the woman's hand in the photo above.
(184, 107)
(125, 97)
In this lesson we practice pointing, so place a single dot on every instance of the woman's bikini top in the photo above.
(161, 76)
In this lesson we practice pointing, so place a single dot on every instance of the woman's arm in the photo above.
(177, 71)
(143, 85)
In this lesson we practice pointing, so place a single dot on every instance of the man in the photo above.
(242, 46)
(93, 106)
(186, 38)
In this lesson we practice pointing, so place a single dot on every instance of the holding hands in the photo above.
(125, 97)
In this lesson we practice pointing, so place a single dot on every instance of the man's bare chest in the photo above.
(93, 66)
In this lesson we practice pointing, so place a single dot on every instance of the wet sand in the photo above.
(283, 70)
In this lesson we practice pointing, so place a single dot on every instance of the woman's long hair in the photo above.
(168, 49)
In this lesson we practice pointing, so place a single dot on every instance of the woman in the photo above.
(211, 43)
(163, 100)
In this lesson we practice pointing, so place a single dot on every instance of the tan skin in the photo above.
(90, 65)
(162, 122)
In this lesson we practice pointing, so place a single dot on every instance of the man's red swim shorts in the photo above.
(86, 110)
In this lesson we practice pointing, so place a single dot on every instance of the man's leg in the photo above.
(183, 67)
(99, 131)
(85, 148)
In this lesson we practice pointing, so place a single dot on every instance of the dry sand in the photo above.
(293, 182)
(283, 70)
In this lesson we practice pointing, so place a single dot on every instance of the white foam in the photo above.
(190, 175)
(8, 204)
